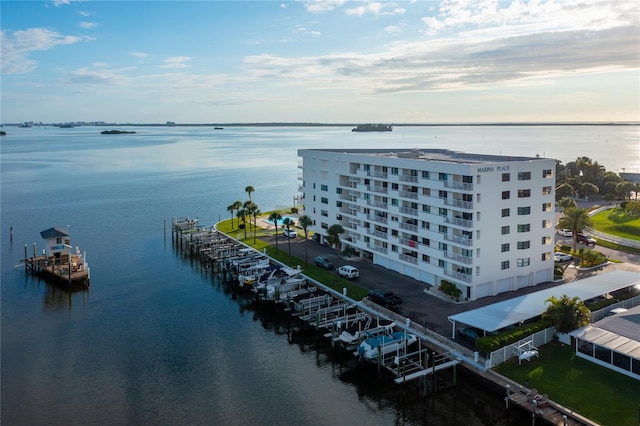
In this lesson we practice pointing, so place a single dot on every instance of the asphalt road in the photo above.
(425, 308)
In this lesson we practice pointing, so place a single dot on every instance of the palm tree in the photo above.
(249, 207)
(567, 314)
(242, 215)
(577, 220)
(305, 221)
(249, 189)
(274, 218)
(256, 213)
(236, 206)
(231, 208)
(333, 234)
(288, 222)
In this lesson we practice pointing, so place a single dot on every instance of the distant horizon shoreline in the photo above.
(314, 124)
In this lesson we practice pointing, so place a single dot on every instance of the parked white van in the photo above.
(349, 272)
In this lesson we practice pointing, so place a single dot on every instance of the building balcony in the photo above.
(466, 205)
(409, 243)
(459, 240)
(378, 248)
(379, 175)
(377, 188)
(377, 234)
(378, 204)
(459, 258)
(460, 222)
(378, 219)
(408, 259)
(409, 211)
(458, 276)
(409, 227)
(458, 185)
(409, 194)
(408, 178)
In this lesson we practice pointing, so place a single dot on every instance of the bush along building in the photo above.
(484, 223)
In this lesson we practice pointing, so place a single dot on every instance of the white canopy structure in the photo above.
(522, 308)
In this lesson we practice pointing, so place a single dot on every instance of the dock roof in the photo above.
(522, 308)
(54, 233)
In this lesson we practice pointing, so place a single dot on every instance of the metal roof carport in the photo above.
(522, 308)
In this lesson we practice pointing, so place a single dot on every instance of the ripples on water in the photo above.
(156, 340)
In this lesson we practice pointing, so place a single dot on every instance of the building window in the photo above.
(523, 262)
(504, 265)
(426, 258)
(394, 170)
(425, 224)
(547, 173)
(442, 263)
(394, 202)
(324, 200)
(506, 195)
(366, 167)
(546, 224)
(394, 186)
(324, 225)
(442, 176)
(524, 193)
(426, 208)
(426, 192)
(442, 246)
(425, 174)
(505, 247)
(426, 241)
(506, 177)
(546, 207)
(442, 194)
(442, 211)
(523, 245)
(546, 190)
(394, 248)
(524, 211)
(524, 175)
(506, 212)
(478, 197)
(546, 256)
(526, 227)
(338, 203)
(324, 213)
(442, 229)
(505, 230)
(546, 240)
(324, 188)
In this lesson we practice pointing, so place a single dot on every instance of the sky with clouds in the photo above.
(328, 61)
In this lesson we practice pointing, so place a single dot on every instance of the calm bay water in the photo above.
(155, 340)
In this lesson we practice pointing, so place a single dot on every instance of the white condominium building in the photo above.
(482, 222)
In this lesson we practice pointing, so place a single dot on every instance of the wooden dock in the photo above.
(68, 271)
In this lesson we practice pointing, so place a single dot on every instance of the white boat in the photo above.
(375, 347)
(361, 330)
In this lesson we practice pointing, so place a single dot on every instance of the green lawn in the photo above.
(613, 222)
(597, 393)
(328, 278)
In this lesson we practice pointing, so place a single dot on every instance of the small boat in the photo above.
(362, 330)
(375, 347)
(372, 128)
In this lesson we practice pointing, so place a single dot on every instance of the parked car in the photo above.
(585, 239)
(561, 257)
(565, 232)
(349, 272)
(469, 333)
(385, 298)
(324, 263)
(289, 233)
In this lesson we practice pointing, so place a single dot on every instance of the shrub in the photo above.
(489, 344)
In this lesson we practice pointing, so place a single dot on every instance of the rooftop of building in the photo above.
(445, 155)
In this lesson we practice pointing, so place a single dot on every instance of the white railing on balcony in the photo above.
(409, 210)
(458, 185)
(379, 234)
(458, 276)
(407, 258)
(408, 178)
(378, 248)
(378, 204)
(375, 174)
(378, 219)
(459, 239)
(409, 194)
(459, 258)
(467, 205)
(460, 222)
(377, 188)
(409, 227)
